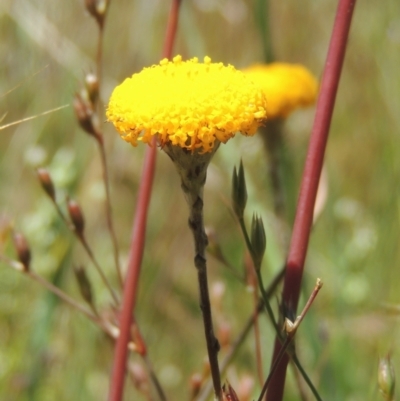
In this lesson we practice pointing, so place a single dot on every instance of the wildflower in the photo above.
(286, 86)
(191, 108)
(188, 104)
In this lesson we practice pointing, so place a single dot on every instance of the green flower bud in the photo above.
(258, 240)
(239, 191)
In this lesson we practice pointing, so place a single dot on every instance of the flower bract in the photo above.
(286, 86)
(187, 103)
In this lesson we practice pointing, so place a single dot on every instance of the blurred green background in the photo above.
(47, 350)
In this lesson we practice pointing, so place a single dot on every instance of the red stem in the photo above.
(311, 176)
(138, 240)
(171, 29)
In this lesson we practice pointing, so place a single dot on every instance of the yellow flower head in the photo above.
(286, 86)
(186, 103)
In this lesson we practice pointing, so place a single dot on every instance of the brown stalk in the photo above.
(207, 388)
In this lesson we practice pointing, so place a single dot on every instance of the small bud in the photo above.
(258, 240)
(46, 182)
(92, 87)
(229, 393)
(386, 378)
(84, 284)
(84, 114)
(23, 250)
(76, 216)
(239, 191)
(97, 8)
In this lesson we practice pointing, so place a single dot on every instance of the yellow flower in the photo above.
(286, 86)
(186, 103)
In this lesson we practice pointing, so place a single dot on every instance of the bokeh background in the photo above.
(47, 350)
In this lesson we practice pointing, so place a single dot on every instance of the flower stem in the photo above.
(192, 169)
(309, 185)
(196, 224)
(109, 218)
(290, 333)
(265, 302)
(239, 340)
(82, 239)
(132, 278)
(137, 242)
(100, 141)
(280, 172)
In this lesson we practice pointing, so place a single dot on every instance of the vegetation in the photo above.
(48, 349)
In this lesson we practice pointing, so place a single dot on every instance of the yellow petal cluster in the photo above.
(186, 103)
(286, 86)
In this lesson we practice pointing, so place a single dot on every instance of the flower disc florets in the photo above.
(287, 86)
(186, 103)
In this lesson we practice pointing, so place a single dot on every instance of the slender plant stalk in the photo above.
(55, 290)
(154, 378)
(257, 338)
(309, 185)
(290, 333)
(132, 278)
(100, 141)
(88, 250)
(62, 295)
(259, 277)
(196, 224)
(192, 169)
(261, 9)
(266, 303)
(110, 224)
(207, 388)
(137, 242)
